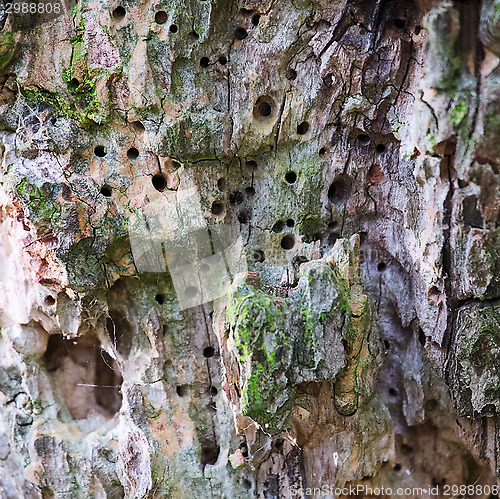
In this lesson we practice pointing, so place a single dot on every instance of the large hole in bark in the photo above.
(278, 226)
(287, 242)
(119, 13)
(100, 151)
(471, 215)
(159, 182)
(181, 390)
(244, 216)
(138, 126)
(86, 378)
(218, 208)
(161, 17)
(106, 191)
(236, 198)
(50, 300)
(221, 184)
(119, 322)
(303, 128)
(209, 453)
(399, 23)
(160, 298)
(363, 139)
(240, 33)
(133, 153)
(264, 108)
(339, 191)
(208, 352)
(258, 256)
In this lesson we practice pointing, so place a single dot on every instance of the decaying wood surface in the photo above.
(350, 149)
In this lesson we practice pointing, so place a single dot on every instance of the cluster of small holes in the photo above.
(264, 110)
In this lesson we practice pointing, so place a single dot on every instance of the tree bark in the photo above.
(250, 248)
